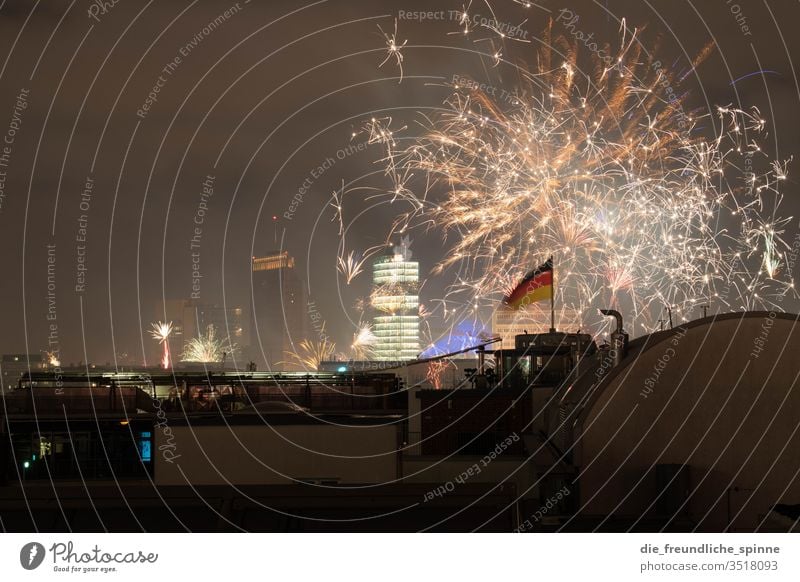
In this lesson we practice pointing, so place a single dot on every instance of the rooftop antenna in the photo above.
(552, 295)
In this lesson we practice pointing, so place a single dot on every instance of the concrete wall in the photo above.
(512, 469)
(261, 454)
(708, 399)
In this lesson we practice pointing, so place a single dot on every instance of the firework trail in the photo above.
(161, 332)
(436, 370)
(353, 265)
(597, 167)
(364, 340)
(393, 49)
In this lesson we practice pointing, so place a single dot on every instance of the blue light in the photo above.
(146, 446)
(462, 335)
(341, 369)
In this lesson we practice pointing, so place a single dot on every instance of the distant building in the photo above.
(15, 365)
(395, 296)
(191, 319)
(448, 374)
(278, 303)
(228, 322)
(507, 323)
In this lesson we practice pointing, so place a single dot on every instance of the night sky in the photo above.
(258, 105)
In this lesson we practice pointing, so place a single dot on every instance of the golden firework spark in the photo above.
(160, 332)
(599, 168)
(393, 49)
(436, 370)
(364, 340)
(208, 348)
(310, 353)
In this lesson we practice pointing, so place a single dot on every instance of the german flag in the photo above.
(535, 286)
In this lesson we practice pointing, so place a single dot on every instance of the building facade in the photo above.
(395, 298)
(278, 309)
(508, 323)
(13, 366)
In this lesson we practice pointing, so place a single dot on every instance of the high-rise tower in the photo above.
(278, 309)
(395, 296)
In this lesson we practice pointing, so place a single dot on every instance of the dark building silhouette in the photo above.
(278, 303)
(688, 429)
(13, 366)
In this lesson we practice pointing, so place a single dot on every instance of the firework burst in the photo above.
(435, 372)
(310, 354)
(208, 348)
(160, 332)
(393, 49)
(353, 264)
(364, 340)
(603, 171)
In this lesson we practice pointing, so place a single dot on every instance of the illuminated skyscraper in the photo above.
(395, 288)
(278, 309)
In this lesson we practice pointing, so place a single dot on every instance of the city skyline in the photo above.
(157, 217)
(355, 266)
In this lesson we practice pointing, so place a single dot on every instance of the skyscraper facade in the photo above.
(277, 309)
(395, 297)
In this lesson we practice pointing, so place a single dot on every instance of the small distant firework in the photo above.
(364, 340)
(52, 359)
(350, 267)
(208, 348)
(436, 370)
(310, 354)
(161, 332)
(463, 18)
(337, 206)
(393, 49)
(772, 258)
(353, 265)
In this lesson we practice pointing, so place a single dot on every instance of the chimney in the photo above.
(619, 339)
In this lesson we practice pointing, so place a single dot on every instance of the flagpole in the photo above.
(552, 296)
